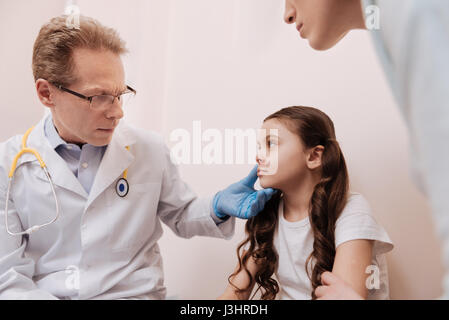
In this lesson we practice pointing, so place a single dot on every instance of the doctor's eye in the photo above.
(105, 101)
(126, 97)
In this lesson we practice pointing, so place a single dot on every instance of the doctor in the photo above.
(113, 184)
(412, 42)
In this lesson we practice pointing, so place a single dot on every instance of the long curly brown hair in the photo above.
(329, 198)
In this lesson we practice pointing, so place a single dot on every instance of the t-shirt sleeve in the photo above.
(357, 222)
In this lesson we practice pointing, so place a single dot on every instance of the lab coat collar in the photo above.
(59, 171)
(115, 161)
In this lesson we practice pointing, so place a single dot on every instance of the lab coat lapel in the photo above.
(115, 161)
(59, 171)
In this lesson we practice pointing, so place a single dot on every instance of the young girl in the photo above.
(313, 223)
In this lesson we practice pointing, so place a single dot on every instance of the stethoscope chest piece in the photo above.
(122, 187)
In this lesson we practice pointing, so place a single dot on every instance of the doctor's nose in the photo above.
(290, 13)
(115, 111)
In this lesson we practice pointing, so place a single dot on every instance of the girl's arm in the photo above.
(241, 280)
(351, 259)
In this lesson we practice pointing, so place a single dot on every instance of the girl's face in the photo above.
(324, 22)
(282, 157)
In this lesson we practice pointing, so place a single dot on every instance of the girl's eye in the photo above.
(271, 143)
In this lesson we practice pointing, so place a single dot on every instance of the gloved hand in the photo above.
(241, 199)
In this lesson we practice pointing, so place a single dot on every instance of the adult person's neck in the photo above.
(356, 18)
(350, 15)
(64, 137)
(297, 198)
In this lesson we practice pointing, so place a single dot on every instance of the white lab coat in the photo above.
(107, 242)
(413, 46)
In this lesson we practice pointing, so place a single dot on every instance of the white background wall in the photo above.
(230, 63)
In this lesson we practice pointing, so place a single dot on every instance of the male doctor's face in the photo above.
(98, 72)
(324, 22)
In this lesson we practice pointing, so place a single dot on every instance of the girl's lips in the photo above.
(299, 26)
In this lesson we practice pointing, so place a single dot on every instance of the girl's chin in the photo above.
(266, 182)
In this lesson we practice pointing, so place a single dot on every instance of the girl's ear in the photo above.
(314, 157)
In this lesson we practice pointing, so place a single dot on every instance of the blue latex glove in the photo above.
(241, 199)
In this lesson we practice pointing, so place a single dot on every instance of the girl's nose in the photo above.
(260, 158)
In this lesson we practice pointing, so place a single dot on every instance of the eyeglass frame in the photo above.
(82, 96)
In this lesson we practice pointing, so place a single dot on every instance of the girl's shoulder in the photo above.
(356, 204)
(357, 222)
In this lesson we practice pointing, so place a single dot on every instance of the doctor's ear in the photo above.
(44, 93)
(314, 157)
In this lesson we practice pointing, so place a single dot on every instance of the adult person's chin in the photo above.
(325, 42)
(324, 22)
(102, 137)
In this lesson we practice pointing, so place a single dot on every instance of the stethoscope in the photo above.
(122, 186)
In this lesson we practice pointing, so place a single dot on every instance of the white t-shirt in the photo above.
(294, 243)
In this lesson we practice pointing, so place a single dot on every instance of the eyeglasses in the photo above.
(103, 101)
